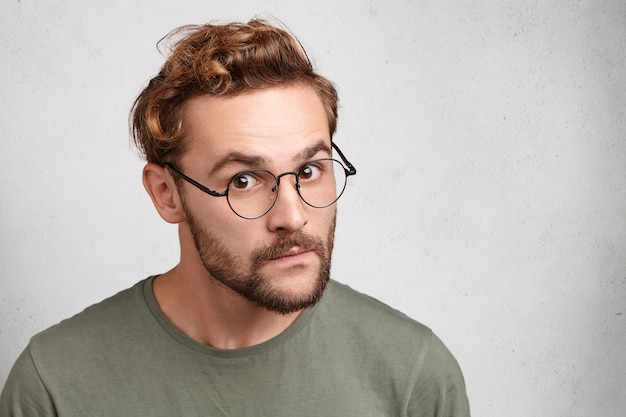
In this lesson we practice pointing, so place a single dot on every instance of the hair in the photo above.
(219, 60)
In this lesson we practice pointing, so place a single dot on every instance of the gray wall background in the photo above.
(490, 202)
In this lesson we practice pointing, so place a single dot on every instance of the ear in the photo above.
(162, 190)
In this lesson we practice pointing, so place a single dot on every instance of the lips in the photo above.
(286, 248)
(294, 251)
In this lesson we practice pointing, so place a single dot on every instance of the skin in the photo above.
(278, 129)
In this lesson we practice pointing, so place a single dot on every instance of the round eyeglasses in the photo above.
(253, 192)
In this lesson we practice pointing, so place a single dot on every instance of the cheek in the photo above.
(232, 234)
(238, 235)
(217, 219)
(326, 221)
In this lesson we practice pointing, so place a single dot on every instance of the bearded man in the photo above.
(237, 130)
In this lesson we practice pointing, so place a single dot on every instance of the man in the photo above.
(237, 131)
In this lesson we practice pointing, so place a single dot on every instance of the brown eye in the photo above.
(310, 172)
(243, 181)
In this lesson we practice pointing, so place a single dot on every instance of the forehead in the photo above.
(275, 124)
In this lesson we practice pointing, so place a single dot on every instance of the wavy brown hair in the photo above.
(219, 60)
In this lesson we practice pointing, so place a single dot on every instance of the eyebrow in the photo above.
(258, 161)
(250, 161)
(313, 150)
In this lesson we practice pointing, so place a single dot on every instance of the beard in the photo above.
(252, 283)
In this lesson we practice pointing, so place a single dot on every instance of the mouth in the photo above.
(294, 251)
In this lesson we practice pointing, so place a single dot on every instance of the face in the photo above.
(280, 261)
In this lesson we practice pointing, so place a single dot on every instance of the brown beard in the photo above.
(254, 285)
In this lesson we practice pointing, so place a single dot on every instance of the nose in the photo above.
(288, 213)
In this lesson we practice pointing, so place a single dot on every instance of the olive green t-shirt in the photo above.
(349, 355)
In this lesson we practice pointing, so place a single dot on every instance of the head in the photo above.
(229, 98)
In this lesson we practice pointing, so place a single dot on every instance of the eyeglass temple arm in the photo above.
(351, 169)
(195, 183)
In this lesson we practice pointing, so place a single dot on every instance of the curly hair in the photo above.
(219, 60)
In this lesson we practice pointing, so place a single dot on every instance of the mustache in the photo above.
(282, 244)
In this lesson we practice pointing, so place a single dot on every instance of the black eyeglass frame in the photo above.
(348, 168)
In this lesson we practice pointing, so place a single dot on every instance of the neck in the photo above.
(212, 314)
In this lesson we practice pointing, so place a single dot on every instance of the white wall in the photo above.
(490, 202)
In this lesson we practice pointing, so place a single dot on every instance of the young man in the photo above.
(237, 131)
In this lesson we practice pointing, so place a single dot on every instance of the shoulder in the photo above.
(354, 314)
(117, 309)
(396, 348)
(66, 355)
(357, 309)
(93, 329)
(371, 327)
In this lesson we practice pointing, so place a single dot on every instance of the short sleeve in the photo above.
(24, 394)
(440, 388)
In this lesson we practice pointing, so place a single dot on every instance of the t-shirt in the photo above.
(349, 355)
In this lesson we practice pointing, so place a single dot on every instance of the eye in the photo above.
(243, 181)
(310, 172)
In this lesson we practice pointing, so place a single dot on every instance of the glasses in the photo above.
(253, 192)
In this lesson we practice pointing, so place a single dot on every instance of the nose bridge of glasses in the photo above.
(296, 184)
(279, 177)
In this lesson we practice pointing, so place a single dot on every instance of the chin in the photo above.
(292, 294)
